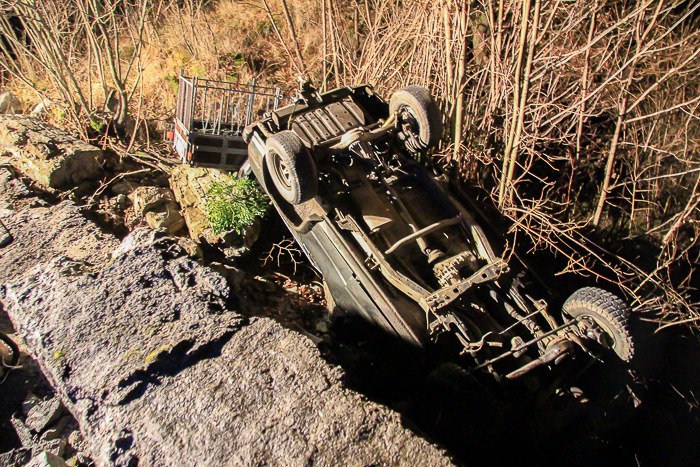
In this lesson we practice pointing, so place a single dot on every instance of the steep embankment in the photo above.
(139, 343)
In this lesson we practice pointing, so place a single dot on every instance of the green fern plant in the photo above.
(234, 204)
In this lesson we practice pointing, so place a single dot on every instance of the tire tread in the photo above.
(419, 99)
(611, 308)
(288, 146)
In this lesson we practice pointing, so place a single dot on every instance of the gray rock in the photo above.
(29, 402)
(15, 457)
(46, 459)
(23, 432)
(143, 350)
(60, 429)
(191, 247)
(44, 414)
(148, 198)
(76, 441)
(42, 108)
(49, 156)
(158, 208)
(5, 239)
(121, 201)
(322, 327)
(50, 434)
(167, 218)
(39, 234)
(56, 447)
(234, 276)
(13, 193)
(158, 371)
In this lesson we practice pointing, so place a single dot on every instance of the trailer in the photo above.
(210, 118)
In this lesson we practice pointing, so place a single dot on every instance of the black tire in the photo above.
(609, 312)
(418, 101)
(291, 167)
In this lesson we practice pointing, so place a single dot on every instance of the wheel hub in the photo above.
(283, 172)
(593, 331)
(409, 126)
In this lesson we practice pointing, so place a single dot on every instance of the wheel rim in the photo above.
(409, 122)
(596, 331)
(282, 171)
(408, 117)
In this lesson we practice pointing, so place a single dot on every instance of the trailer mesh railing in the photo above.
(208, 106)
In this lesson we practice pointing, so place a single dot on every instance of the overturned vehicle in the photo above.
(397, 245)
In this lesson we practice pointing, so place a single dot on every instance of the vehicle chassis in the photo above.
(330, 233)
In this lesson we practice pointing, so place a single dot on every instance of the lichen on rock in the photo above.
(51, 157)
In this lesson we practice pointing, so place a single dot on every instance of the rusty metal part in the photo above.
(555, 352)
(422, 233)
(519, 322)
(447, 271)
(529, 343)
(520, 301)
(474, 347)
(395, 278)
(359, 135)
(447, 295)
(406, 285)
(331, 121)
(483, 247)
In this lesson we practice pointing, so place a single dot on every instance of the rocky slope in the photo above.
(143, 348)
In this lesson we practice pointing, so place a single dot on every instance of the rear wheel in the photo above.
(604, 318)
(419, 115)
(291, 167)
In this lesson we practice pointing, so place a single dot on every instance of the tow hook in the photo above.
(555, 353)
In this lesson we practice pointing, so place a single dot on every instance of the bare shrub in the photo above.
(70, 44)
(580, 119)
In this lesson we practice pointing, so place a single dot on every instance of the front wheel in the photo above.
(604, 318)
(291, 167)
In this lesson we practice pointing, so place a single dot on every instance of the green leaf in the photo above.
(234, 204)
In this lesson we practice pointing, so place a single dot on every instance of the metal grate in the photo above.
(207, 106)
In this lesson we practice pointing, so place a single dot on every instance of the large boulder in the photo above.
(142, 346)
(190, 186)
(157, 207)
(51, 157)
(157, 369)
(39, 234)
